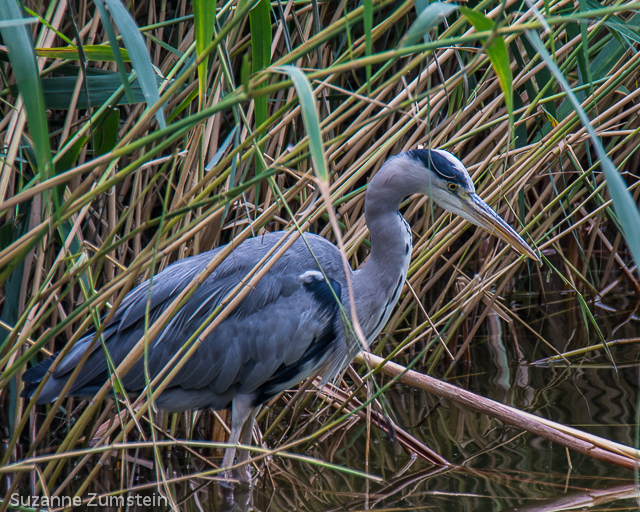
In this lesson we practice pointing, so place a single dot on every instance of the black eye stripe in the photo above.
(439, 172)
(446, 168)
(437, 163)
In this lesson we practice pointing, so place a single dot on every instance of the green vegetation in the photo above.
(132, 135)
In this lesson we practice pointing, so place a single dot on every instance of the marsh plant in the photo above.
(136, 134)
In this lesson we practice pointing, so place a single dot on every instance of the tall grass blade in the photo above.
(623, 203)
(138, 53)
(260, 23)
(92, 52)
(583, 58)
(115, 49)
(223, 149)
(58, 91)
(25, 68)
(310, 119)
(18, 22)
(625, 30)
(498, 53)
(368, 39)
(204, 18)
(430, 17)
(106, 135)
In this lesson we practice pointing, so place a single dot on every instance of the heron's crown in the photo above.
(446, 166)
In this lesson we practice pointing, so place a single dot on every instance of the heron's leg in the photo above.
(240, 411)
(244, 472)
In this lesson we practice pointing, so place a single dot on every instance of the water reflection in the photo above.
(433, 490)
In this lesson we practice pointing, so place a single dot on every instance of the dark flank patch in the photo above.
(318, 347)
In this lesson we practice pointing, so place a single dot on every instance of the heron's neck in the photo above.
(380, 280)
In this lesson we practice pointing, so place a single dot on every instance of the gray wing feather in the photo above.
(165, 286)
(308, 327)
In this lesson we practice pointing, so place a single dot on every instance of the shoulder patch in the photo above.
(320, 289)
(311, 275)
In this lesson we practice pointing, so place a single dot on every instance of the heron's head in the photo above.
(451, 187)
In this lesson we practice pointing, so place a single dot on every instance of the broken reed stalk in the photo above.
(587, 444)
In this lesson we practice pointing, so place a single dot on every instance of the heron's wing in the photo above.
(165, 287)
(161, 290)
(289, 332)
(273, 325)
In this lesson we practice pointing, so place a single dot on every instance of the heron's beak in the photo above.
(482, 215)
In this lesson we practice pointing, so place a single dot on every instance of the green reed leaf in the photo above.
(93, 52)
(18, 22)
(204, 18)
(498, 54)
(58, 91)
(138, 53)
(310, 119)
(260, 23)
(368, 39)
(115, 49)
(430, 17)
(25, 68)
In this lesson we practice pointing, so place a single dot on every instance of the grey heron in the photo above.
(289, 327)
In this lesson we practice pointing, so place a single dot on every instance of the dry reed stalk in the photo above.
(587, 444)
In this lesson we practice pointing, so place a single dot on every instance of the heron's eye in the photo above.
(453, 186)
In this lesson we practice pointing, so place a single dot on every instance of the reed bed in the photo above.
(215, 140)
